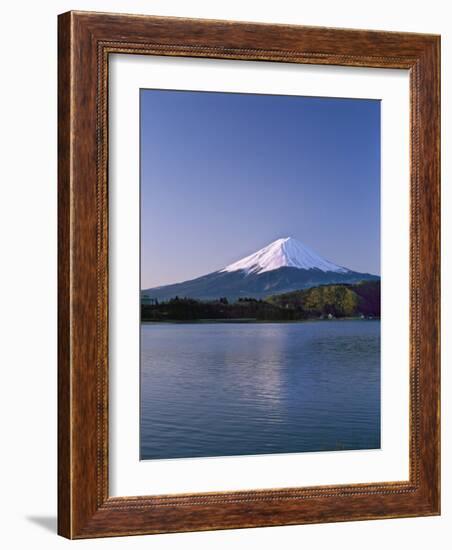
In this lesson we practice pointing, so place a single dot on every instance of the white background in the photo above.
(28, 271)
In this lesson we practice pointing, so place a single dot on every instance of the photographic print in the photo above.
(260, 274)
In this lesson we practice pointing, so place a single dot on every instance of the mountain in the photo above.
(286, 252)
(282, 266)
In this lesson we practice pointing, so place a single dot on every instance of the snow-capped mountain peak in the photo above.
(286, 252)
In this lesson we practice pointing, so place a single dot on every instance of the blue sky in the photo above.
(223, 175)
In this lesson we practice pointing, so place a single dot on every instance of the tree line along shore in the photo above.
(360, 300)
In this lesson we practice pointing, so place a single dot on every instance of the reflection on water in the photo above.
(235, 389)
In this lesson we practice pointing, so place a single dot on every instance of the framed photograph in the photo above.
(248, 275)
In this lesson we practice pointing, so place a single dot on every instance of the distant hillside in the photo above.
(338, 300)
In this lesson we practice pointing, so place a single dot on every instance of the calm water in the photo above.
(236, 389)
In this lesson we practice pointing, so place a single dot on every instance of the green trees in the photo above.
(344, 300)
(338, 300)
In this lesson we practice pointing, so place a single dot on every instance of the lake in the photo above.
(221, 389)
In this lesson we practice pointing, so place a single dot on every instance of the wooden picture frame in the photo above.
(85, 508)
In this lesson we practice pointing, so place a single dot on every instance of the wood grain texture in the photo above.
(85, 42)
(64, 295)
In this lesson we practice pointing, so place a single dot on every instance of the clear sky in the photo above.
(223, 175)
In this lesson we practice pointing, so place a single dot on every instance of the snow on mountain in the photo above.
(287, 252)
(283, 266)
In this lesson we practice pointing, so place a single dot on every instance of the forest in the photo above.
(360, 300)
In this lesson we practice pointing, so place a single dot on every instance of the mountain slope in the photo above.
(283, 266)
(286, 252)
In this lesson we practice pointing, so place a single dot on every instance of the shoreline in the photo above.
(250, 321)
